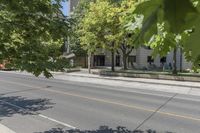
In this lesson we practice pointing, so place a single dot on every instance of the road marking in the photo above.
(121, 90)
(56, 121)
(5, 129)
(132, 91)
(40, 115)
(125, 105)
(109, 102)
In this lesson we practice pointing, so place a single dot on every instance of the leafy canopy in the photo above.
(178, 16)
(31, 34)
(98, 28)
(107, 24)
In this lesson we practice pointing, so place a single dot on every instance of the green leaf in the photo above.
(176, 13)
(192, 43)
(31, 34)
(150, 9)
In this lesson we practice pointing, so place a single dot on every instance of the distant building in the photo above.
(72, 4)
(139, 58)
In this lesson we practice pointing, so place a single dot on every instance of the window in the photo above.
(148, 47)
(117, 60)
(163, 60)
(132, 59)
(99, 60)
(150, 59)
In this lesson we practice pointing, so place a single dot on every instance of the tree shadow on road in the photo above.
(102, 129)
(10, 105)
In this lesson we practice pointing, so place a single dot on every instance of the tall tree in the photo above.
(99, 27)
(130, 28)
(112, 26)
(31, 34)
(75, 41)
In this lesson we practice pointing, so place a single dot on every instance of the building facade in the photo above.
(140, 58)
(72, 4)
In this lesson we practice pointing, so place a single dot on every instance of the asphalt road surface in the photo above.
(38, 105)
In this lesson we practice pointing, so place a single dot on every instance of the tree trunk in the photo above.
(113, 61)
(175, 61)
(85, 61)
(89, 62)
(125, 61)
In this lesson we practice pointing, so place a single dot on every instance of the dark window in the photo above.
(117, 60)
(132, 59)
(148, 47)
(99, 60)
(150, 59)
(163, 60)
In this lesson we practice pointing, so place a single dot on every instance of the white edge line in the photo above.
(5, 129)
(59, 122)
(40, 115)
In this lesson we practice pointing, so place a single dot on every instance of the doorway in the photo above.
(99, 60)
(118, 60)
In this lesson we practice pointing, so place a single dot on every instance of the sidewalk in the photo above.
(139, 80)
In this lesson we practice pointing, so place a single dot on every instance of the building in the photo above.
(139, 58)
(72, 4)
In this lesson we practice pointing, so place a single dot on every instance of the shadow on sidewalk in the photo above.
(102, 129)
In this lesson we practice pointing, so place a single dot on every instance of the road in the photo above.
(38, 105)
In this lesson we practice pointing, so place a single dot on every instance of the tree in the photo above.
(164, 42)
(77, 17)
(178, 16)
(31, 35)
(99, 27)
(107, 24)
(75, 41)
(130, 27)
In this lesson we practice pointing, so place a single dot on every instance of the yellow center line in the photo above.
(107, 101)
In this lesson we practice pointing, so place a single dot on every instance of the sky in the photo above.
(65, 8)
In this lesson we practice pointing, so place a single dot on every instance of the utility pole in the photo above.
(181, 59)
(175, 61)
(89, 61)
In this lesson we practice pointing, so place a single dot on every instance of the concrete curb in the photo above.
(72, 70)
(151, 76)
(4, 129)
(110, 78)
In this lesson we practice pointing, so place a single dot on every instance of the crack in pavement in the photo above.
(156, 111)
